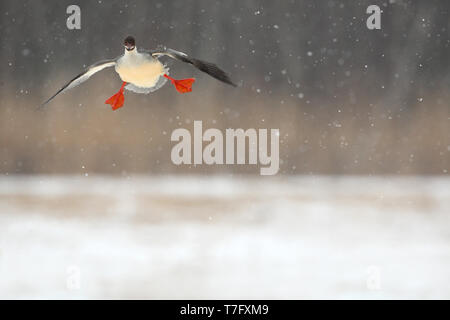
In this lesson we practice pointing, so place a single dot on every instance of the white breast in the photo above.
(140, 69)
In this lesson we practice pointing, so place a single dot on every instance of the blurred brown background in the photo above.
(347, 100)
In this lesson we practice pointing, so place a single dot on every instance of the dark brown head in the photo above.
(129, 43)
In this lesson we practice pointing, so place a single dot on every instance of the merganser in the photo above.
(142, 72)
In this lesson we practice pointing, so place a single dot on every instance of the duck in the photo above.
(141, 71)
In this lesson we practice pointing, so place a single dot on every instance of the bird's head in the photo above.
(129, 43)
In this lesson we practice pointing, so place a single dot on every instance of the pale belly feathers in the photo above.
(140, 69)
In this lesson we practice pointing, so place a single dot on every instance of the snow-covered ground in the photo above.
(225, 237)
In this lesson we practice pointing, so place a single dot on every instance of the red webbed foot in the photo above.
(117, 100)
(183, 85)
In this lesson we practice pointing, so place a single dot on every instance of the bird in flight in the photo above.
(142, 72)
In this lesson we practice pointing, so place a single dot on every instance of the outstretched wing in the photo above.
(207, 67)
(82, 77)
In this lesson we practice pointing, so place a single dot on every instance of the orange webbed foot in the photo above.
(116, 101)
(183, 85)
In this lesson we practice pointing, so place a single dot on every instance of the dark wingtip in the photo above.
(42, 105)
(213, 70)
(226, 79)
(233, 84)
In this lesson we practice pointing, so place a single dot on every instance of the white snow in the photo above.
(225, 237)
